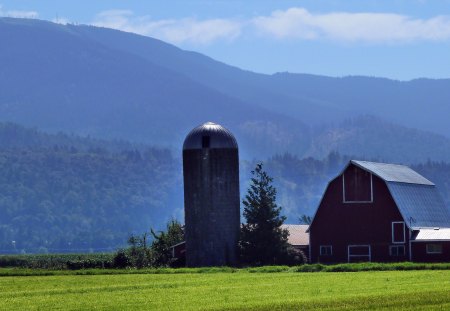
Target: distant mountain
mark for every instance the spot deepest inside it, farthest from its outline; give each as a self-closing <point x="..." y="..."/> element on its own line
<point x="56" y="78"/>
<point x="420" y="103"/>
<point x="111" y="84"/>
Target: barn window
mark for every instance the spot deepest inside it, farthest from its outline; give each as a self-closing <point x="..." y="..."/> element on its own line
<point x="398" y="232"/>
<point x="357" y="185"/>
<point x="434" y="248"/>
<point x="397" y="250"/>
<point x="205" y="141"/>
<point x="359" y="253"/>
<point x="326" y="250"/>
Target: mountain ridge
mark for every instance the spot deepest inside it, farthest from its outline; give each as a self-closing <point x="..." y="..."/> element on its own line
<point x="111" y="84"/>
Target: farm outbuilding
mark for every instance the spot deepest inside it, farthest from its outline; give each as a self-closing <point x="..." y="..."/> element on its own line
<point x="380" y="212"/>
<point x="298" y="237"/>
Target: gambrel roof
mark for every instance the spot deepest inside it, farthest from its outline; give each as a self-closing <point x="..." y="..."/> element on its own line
<point x="393" y="172"/>
<point x="417" y="198"/>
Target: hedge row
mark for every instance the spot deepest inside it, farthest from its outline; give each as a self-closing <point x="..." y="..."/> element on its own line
<point x="102" y="264"/>
<point x="58" y="261"/>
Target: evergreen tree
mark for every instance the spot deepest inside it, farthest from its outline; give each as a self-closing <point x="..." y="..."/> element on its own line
<point x="263" y="241"/>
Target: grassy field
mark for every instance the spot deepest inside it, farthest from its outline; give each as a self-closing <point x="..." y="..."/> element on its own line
<point x="389" y="290"/>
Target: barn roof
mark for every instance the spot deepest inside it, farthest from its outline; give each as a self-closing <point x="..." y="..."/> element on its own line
<point x="420" y="205"/>
<point x="393" y="172"/>
<point x="416" y="197"/>
<point x="297" y="234"/>
<point x="436" y="234"/>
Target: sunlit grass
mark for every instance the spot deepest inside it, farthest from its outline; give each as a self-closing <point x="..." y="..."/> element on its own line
<point x="414" y="290"/>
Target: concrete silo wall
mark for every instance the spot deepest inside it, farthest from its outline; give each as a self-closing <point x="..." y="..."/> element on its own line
<point x="211" y="198"/>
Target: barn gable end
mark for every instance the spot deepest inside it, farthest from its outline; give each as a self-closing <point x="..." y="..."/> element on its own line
<point x="376" y="212"/>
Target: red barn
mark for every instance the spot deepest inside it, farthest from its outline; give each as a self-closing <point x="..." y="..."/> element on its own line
<point x="380" y="212"/>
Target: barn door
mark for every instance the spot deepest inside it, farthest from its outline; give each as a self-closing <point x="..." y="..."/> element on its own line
<point x="359" y="253"/>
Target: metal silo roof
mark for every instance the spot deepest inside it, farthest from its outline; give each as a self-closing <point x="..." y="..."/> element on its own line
<point x="219" y="137"/>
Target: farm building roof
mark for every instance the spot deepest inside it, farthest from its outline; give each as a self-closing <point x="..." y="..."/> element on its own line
<point x="417" y="198"/>
<point x="393" y="172"/>
<point x="421" y="206"/>
<point x="435" y="234"/>
<point x="297" y="234"/>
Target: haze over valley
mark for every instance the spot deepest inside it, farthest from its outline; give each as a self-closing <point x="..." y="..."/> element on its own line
<point x="92" y="122"/>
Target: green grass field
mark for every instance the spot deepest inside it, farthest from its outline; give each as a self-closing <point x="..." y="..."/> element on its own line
<point x="398" y="290"/>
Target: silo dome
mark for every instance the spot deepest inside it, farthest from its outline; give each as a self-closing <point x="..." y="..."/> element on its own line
<point x="210" y="135"/>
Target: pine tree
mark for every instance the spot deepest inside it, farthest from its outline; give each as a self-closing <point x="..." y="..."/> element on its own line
<point x="263" y="241"/>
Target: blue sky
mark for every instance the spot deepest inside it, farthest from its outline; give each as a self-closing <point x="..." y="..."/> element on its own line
<point x="398" y="39"/>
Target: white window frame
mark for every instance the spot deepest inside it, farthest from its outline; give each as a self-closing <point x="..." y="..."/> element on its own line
<point x="343" y="191"/>
<point x="434" y="252"/>
<point x="363" y="245"/>
<point x="326" y="246"/>
<point x="397" y="246"/>
<point x="404" y="232"/>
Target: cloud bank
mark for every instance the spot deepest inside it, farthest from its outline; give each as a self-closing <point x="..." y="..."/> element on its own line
<point x="173" y="30"/>
<point x="18" y="13"/>
<point x="293" y="24"/>
<point x="290" y="24"/>
<point x="298" y="23"/>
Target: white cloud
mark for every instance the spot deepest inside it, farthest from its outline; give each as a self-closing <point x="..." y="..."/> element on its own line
<point x="292" y="24"/>
<point x="173" y="30"/>
<point x="18" y="13"/>
<point x="298" y="23"/>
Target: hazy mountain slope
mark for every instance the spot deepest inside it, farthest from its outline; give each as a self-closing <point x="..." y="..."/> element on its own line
<point x="245" y="85"/>
<point x="374" y="138"/>
<point x="422" y="103"/>
<point x="57" y="79"/>
<point x="107" y="83"/>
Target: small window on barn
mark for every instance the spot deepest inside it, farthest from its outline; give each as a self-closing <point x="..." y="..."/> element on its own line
<point x="397" y="250"/>
<point x="357" y="185"/>
<point x="398" y="232"/>
<point x="326" y="250"/>
<point x="434" y="248"/>
<point x="205" y="141"/>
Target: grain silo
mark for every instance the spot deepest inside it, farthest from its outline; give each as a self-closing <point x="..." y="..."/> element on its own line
<point x="211" y="196"/>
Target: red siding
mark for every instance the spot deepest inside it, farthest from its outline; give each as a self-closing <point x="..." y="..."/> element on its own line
<point x="357" y="185"/>
<point x="419" y="252"/>
<point x="342" y="224"/>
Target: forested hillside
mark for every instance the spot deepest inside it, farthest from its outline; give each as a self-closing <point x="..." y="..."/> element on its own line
<point x="63" y="193"/>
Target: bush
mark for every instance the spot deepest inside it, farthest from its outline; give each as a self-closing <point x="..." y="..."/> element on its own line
<point x="121" y="259"/>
